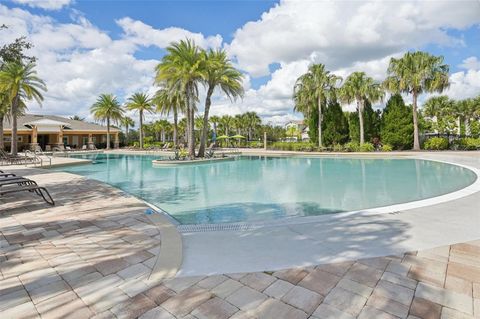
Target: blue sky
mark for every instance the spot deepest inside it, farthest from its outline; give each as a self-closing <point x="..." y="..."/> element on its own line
<point x="98" y="46"/>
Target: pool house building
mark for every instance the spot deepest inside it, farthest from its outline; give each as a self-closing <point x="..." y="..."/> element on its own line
<point x="48" y="131"/>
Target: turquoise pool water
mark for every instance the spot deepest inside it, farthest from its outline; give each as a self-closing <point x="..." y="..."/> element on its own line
<point x="264" y="188"/>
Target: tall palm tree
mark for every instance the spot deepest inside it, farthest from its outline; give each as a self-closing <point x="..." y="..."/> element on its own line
<point x="252" y="121"/>
<point x="20" y="83"/>
<point x="439" y="109"/>
<point x="107" y="109"/>
<point x="127" y="122"/>
<point x="360" y="88"/>
<point x="416" y="73"/>
<point x="161" y="127"/>
<point x="183" y="69"/>
<point x="316" y="87"/>
<point x="141" y="103"/>
<point x="170" y="101"/>
<point x="220" y="73"/>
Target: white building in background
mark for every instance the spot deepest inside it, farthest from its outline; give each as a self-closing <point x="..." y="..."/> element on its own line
<point x="300" y="128"/>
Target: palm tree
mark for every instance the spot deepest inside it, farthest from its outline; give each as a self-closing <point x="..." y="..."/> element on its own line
<point x="316" y="87"/>
<point x="416" y="73"/>
<point x="252" y="122"/>
<point x="107" y="109"/>
<point x="127" y="122"/>
<point x="167" y="102"/>
<point x="360" y="88"/>
<point x="219" y="73"/>
<point x="142" y="103"/>
<point x="160" y="128"/>
<point x="439" y="109"/>
<point x="227" y="122"/>
<point x="77" y="118"/>
<point x="20" y="82"/>
<point x="215" y="120"/>
<point x="183" y="69"/>
<point x="4" y="107"/>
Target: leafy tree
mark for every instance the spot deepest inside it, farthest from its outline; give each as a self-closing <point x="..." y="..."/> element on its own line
<point x="107" y="109"/>
<point x="20" y="82"/>
<point x="359" y="87"/>
<point x="335" y="130"/>
<point x="227" y="123"/>
<point x="141" y="103"/>
<point x="416" y="73"/>
<point x="315" y="88"/>
<point x="397" y="124"/>
<point x="252" y="121"/>
<point x="371" y="122"/>
<point x="182" y="69"/>
<point x="440" y="111"/>
<point x="219" y="73"/>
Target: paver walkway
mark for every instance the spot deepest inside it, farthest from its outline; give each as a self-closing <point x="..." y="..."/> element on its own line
<point x="91" y="255"/>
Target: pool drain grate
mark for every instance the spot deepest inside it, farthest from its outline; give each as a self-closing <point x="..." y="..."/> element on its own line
<point x="215" y="227"/>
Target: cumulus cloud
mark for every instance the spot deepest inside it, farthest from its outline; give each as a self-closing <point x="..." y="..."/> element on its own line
<point x="45" y="4"/>
<point x="78" y="61"/>
<point x="342" y="32"/>
<point x="471" y="63"/>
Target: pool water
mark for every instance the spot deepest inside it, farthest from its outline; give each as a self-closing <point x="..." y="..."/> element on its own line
<point x="253" y="189"/>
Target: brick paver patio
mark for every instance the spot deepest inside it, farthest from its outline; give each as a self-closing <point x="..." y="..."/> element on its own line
<point x="92" y="254"/>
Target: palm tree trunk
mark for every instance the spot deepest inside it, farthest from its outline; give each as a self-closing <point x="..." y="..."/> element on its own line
<point x="2" y="144"/>
<point x="319" y="122"/>
<point x="13" y="145"/>
<point x="175" y="128"/>
<point x="416" y="138"/>
<point x="203" y="138"/>
<point x="108" y="133"/>
<point x="126" y="134"/>
<point x="360" y="120"/>
<point x="191" y="133"/>
<point x="141" y="129"/>
<point x="466" y="123"/>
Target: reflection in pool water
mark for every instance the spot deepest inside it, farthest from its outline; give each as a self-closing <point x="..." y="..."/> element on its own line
<point x="264" y="188"/>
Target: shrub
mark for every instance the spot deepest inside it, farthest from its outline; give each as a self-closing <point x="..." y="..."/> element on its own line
<point x="436" y="143"/>
<point x="338" y="148"/>
<point x="255" y="144"/>
<point x="293" y="146"/>
<point x="367" y="147"/>
<point x="352" y="147"/>
<point x="387" y="148"/>
<point x="466" y="144"/>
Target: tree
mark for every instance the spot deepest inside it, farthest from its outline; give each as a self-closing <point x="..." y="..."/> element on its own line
<point x="183" y="69"/>
<point x="141" y="103"/>
<point x="77" y="118"/>
<point x="397" y="124"/>
<point x="335" y="130"/>
<point x="161" y="127"/>
<point x="167" y="102"/>
<point x="440" y="110"/>
<point x="465" y="111"/>
<point x="107" y="109"/>
<point x="416" y="73"/>
<point x="20" y="82"/>
<point x="219" y="73"/>
<point x="227" y="123"/>
<point x="4" y="107"/>
<point x="215" y="120"/>
<point x="359" y="87"/>
<point x="127" y="122"/>
<point x="252" y="121"/>
<point x="315" y="87"/>
<point x="371" y="121"/>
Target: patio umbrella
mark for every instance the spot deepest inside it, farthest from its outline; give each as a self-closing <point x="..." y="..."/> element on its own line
<point x="238" y="136"/>
<point x="223" y="137"/>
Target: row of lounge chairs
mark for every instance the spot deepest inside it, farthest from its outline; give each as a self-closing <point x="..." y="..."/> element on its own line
<point x="10" y="183"/>
<point x="8" y="159"/>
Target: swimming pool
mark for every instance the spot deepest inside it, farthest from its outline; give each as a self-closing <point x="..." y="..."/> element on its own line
<point x="253" y="188"/>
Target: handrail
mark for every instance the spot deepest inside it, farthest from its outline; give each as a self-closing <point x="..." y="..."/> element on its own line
<point x="43" y="154"/>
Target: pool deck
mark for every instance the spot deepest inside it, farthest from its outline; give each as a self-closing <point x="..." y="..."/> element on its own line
<point x="93" y="254"/>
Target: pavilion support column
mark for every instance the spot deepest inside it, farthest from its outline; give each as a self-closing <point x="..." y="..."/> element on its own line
<point x="90" y="141"/>
<point x="34" y="139"/>
<point x="60" y="137"/>
<point x="116" y="142"/>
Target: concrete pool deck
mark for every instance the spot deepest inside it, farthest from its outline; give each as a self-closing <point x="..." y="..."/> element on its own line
<point x="85" y="258"/>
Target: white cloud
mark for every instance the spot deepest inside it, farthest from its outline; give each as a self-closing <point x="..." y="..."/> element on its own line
<point x="464" y="84"/>
<point x="342" y="32"/>
<point x="471" y="63"/>
<point x="45" y="4"/>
